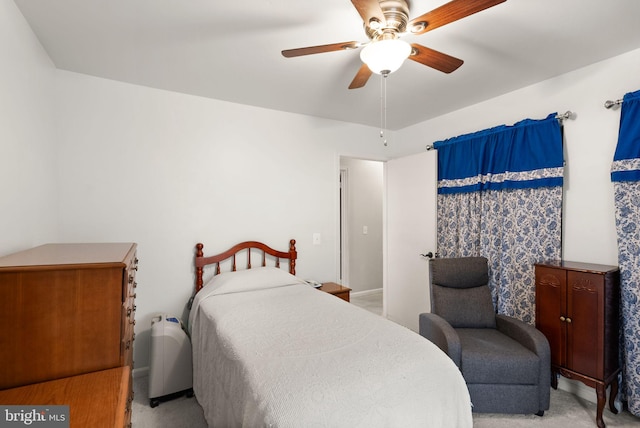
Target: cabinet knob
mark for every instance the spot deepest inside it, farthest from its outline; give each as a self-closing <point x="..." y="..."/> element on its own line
<point x="563" y="319"/>
<point x="569" y="320"/>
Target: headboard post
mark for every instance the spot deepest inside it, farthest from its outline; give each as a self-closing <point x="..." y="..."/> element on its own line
<point x="293" y="255"/>
<point x="199" y="269"/>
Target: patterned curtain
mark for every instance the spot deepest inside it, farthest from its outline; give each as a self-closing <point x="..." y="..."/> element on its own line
<point x="625" y="174"/>
<point x="500" y="196"/>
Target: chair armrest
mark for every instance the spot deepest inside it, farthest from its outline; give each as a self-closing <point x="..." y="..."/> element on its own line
<point x="440" y="332"/>
<point x="527" y="335"/>
<point x="536" y="342"/>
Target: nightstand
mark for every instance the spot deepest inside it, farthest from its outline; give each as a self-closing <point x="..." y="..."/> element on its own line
<point x="336" y="289"/>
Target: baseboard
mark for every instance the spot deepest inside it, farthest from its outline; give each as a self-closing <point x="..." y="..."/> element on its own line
<point x="366" y="292"/>
<point x="140" y="372"/>
<point x="581" y="390"/>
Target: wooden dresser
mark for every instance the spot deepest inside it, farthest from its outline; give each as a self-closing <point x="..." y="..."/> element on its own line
<point x="66" y="309"/>
<point x="577" y="307"/>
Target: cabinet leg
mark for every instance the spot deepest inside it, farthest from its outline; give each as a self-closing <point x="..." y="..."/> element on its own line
<point x="613" y="395"/>
<point x="601" y="392"/>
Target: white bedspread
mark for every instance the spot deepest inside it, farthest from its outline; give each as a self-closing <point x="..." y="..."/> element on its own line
<point x="275" y="352"/>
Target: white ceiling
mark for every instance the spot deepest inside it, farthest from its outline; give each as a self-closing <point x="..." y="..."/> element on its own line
<point x="230" y="50"/>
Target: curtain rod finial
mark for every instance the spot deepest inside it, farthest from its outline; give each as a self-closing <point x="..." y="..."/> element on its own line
<point x="612" y="104"/>
<point x="566" y="115"/>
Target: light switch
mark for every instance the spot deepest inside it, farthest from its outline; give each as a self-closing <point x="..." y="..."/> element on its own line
<point x="365" y="230"/>
<point x="317" y="239"/>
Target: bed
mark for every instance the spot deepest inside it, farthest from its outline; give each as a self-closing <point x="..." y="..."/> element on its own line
<point x="269" y="350"/>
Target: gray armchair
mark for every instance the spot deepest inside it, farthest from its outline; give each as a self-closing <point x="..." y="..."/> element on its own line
<point x="505" y="362"/>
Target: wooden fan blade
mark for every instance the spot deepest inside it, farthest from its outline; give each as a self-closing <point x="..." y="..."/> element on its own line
<point x="290" y="53"/>
<point x="369" y="9"/>
<point x="434" y="59"/>
<point x="361" y="77"/>
<point x="450" y="12"/>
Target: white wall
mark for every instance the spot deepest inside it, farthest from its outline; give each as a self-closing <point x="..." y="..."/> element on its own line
<point x="590" y="140"/>
<point x="27" y="134"/>
<point x="364" y="209"/>
<point x="168" y="170"/>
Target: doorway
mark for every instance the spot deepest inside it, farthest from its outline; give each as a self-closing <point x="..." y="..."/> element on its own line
<point x="361" y="225"/>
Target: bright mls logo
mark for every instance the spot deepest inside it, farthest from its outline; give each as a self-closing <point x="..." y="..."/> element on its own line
<point x="36" y="416"/>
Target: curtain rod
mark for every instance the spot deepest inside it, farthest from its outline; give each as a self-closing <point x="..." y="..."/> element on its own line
<point x="612" y="104"/>
<point x="566" y="115"/>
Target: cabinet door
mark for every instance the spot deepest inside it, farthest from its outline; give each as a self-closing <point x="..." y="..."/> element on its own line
<point x="550" y="308"/>
<point x="584" y="321"/>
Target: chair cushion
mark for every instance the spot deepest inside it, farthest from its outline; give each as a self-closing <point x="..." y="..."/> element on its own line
<point x="491" y="357"/>
<point x="464" y="307"/>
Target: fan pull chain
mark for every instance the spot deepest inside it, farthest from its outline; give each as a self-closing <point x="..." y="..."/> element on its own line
<point x="383" y="107"/>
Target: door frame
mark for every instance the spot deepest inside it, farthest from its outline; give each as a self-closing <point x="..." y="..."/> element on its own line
<point x="343" y="245"/>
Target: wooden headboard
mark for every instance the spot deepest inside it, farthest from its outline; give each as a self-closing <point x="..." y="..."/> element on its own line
<point x="201" y="261"/>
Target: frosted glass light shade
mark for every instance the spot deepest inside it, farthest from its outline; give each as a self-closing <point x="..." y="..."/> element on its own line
<point x="385" y="56"/>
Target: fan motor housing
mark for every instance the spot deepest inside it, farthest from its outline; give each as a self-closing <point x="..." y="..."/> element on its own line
<point x="396" y="14"/>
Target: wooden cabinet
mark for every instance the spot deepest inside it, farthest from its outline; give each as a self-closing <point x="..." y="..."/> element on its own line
<point x="577" y="307"/>
<point x="98" y="399"/>
<point x="66" y="309"/>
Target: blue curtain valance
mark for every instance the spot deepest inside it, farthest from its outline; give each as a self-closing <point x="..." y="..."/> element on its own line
<point x="626" y="161"/>
<point x="527" y="154"/>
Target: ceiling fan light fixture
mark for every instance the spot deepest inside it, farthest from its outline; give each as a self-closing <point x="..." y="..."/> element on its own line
<point x="385" y="56"/>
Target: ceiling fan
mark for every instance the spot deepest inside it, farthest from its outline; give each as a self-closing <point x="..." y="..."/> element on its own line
<point x="385" y="22"/>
